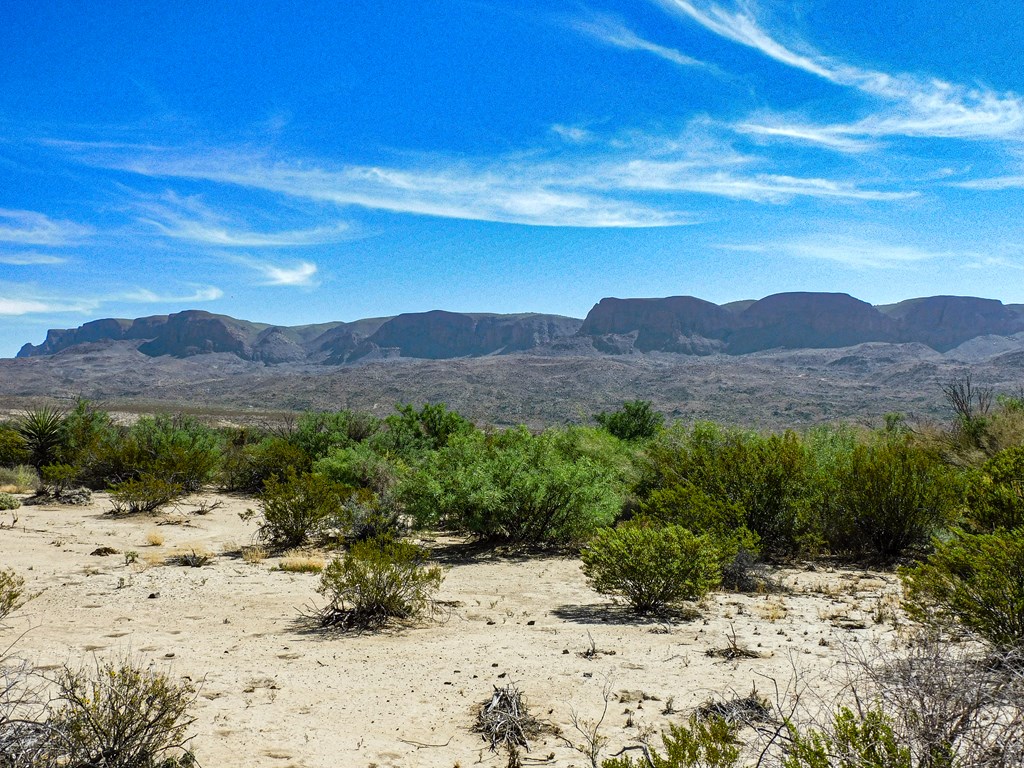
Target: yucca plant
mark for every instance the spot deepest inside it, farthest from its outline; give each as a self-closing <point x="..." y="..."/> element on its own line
<point x="42" y="430"/>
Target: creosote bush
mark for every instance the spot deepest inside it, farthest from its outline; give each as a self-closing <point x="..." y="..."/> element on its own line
<point x="995" y="500"/>
<point x="296" y="507"/>
<point x="868" y="740"/>
<point x="653" y="568"/>
<point x="975" y="581"/>
<point x="12" y="592"/>
<point x="376" y="581"/>
<point x="121" y="715"/>
<point x="144" y="495"/>
<point x="703" y="743"/>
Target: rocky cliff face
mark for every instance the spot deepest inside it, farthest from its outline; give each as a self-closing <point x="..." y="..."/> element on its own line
<point x="679" y="324"/>
<point x="440" y="335"/>
<point x="944" y="322"/>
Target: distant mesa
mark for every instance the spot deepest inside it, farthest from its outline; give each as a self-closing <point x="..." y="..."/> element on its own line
<point x="677" y="324"/>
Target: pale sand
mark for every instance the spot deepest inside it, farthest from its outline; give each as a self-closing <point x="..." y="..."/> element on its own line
<point x="275" y="693"/>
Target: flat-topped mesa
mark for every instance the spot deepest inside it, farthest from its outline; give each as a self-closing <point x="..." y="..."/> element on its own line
<point x="682" y="324"/>
<point x="945" y="322"/>
<point x="809" y="321"/>
<point x="440" y="335"/>
<point x="106" y="329"/>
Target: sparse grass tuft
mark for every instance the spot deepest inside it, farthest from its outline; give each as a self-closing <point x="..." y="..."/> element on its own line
<point x="296" y="561"/>
<point x="155" y="539"/>
<point x="254" y="554"/>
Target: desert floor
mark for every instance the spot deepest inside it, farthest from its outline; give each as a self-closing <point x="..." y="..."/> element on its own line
<point x="276" y="692"/>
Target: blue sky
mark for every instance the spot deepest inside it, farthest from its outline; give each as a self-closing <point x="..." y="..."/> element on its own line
<point x="303" y="162"/>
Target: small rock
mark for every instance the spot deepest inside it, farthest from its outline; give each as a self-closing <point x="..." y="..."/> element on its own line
<point x="153" y="595"/>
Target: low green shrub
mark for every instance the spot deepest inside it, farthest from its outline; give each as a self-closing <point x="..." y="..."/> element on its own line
<point x="12" y="592"/>
<point x="296" y="508"/>
<point x="409" y="434"/>
<point x="12" y="447"/>
<point x="144" y="495"/>
<point x="636" y="420"/>
<point x="121" y="715"/>
<point x="7" y="501"/>
<point x="703" y="743"/>
<point x="653" y="568"/>
<point x="376" y="581"/>
<point x="867" y="740"/>
<point x="58" y="478"/>
<point x="246" y="467"/>
<point x="995" y="500"/>
<point x="359" y="466"/>
<point x="319" y="433"/>
<point x="511" y="487"/>
<point x="887" y="498"/>
<point x="975" y="581"/>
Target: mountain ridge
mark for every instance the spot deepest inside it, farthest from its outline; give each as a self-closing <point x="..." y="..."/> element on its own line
<point x="684" y="325"/>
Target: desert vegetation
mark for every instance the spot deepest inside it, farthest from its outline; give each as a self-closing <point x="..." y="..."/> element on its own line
<point x="657" y="517"/>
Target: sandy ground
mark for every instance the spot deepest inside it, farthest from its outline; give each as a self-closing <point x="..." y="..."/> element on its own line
<point x="273" y="692"/>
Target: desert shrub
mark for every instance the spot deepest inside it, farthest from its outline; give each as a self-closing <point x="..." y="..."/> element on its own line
<point x="121" y="715"/>
<point x="42" y="431"/>
<point x="296" y="507"/>
<point x="888" y="497"/>
<point x="12" y="447"/>
<point x="703" y="743"/>
<point x="866" y="740"/>
<point x="246" y="467"/>
<point x="7" y="501"/>
<point x="765" y="476"/>
<point x="85" y="428"/>
<point x="975" y="581"/>
<point x="512" y="487"/>
<point x="653" y="568"/>
<point x="359" y="466"/>
<point x="317" y="434"/>
<point x="376" y="581"/>
<point x="143" y="495"/>
<point x="21" y="478"/>
<point x="995" y="499"/>
<point x="636" y="420"/>
<point x="410" y="433"/>
<point x="365" y="516"/>
<point x="12" y="592"/>
<point x="58" y="478"/>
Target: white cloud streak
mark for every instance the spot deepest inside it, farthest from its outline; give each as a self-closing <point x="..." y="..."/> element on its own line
<point x="850" y="252"/>
<point x="917" y="107"/>
<point x="299" y="274"/>
<point x="146" y="296"/>
<point x="31" y="259"/>
<point x="33" y="228"/>
<point x="614" y="33"/>
<point x="186" y="218"/>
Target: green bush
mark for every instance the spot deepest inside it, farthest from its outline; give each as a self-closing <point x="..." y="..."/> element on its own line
<point x="995" y="500"/>
<point x="12" y="447"/>
<point x="705" y="743"/>
<point x="888" y="497"/>
<point x="246" y="467"/>
<point x="376" y="581"/>
<point x="317" y="434"/>
<point x="653" y="568"/>
<point x="765" y="476"/>
<point x="511" y="487"/>
<point x="121" y="715"/>
<point x="58" y="478"/>
<point x="636" y="420"/>
<point x="359" y="466"/>
<point x="975" y="581"/>
<point x="7" y="501"/>
<point x="868" y="740"/>
<point x="12" y="592"/>
<point x="143" y="495"/>
<point x="296" y="508"/>
<point x="409" y="433"/>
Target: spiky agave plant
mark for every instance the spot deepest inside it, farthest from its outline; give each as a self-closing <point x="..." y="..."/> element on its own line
<point x="43" y="432"/>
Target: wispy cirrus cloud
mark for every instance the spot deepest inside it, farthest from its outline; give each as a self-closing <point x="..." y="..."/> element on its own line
<point x="146" y="296"/>
<point x="34" y="228"/>
<point x="30" y="259"/>
<point x="23" y="300"/>
<point x="189" y="219"/>
<point x="914" y="106"/>
<point x="604" y="187"/>
<point x="849" y="251"/>
<point x="299" y="274"/>
<point x="613" y="32"/>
